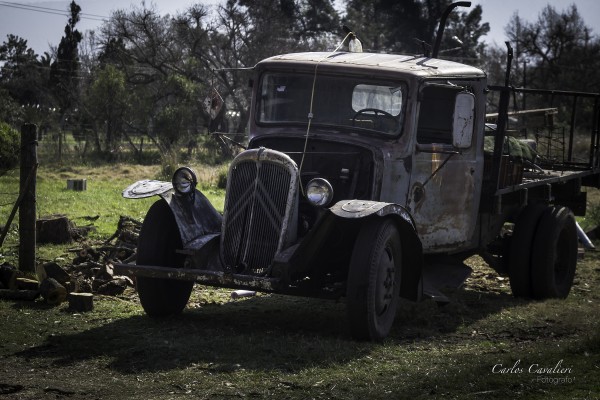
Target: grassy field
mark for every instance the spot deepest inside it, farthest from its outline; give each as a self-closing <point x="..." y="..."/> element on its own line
<point x="102" y="199"/>
<point x="485" y="344"/>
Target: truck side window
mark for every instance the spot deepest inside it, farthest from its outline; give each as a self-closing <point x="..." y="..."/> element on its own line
<point x="435" y="115"/>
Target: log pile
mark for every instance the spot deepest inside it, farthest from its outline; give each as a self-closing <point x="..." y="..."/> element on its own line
<point x="89" y="273"/>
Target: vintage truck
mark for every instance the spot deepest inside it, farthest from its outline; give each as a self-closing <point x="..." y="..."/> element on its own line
<point x="366" y="177"/>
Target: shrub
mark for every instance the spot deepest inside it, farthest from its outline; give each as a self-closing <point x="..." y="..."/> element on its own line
<point x="222" y="177"/>
<point x="593" y="215"/>
<point x="9" y="147"/>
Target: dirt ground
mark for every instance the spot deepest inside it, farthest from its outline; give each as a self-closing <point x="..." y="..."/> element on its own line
<point x="481" y="345"/>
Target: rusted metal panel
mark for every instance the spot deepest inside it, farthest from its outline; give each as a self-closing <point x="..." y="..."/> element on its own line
<point x="443" y="201"/>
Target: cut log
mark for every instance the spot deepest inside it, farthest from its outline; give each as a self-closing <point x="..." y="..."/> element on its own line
<point x="53" y="292"/>
<point x="115" y="287"/>
<point x="54" y="229"/>
<point x="27" y="284"/>
<point x="8" y="276"/>
<point x="81" y="302"/>
<point x="40" y="272"/>
<point x="53" y="270"/>
<point x="8" y="294"/>
<point x="105" y="273"/>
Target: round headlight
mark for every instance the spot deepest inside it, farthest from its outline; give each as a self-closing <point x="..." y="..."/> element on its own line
<point x="319" y="192"/>
<point x="184" y="180"/>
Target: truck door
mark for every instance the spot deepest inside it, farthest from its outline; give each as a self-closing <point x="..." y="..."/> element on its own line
<point x="445" y="183"/>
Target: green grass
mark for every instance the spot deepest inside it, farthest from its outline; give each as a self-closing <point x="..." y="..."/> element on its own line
<point x="280" y="347"/>
<point x="283" y="347"/>
<point x="102" y="199"/>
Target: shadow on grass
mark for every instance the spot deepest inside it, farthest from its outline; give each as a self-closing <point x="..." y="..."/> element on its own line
<point x="267" y="333"/>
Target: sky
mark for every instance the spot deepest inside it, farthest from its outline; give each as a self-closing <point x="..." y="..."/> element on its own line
<point x="44" y="28"/>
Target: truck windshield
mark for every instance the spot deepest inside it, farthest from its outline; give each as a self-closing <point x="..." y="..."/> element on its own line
<point x="350" y="102"/>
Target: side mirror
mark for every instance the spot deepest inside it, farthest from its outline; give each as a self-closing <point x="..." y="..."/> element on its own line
<point x="464" y="120"/>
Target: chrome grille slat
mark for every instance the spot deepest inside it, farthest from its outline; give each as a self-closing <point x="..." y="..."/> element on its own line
<point x="260" y="210"/>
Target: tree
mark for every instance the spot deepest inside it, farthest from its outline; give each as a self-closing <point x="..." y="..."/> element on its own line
<point x="10" y="111"/>
<point x="463" y="36"/>
<point x="558" y="47"/>
<point x="246" y="32"/>
<point x="155" y="64"/>
<point x="172" y="63"/>
<point x="18" y="73"/>
<point x="393" y="25"/>
<point x="64" y="70"/>
<point x="108" y="104"/>
<point x="23" y="79"/>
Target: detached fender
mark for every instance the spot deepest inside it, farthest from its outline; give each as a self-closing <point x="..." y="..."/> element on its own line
<point x="412" y="255"/>
<point x="196" y="218"/>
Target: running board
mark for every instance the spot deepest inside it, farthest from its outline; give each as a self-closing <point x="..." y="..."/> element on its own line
<point x="216" y="278"/>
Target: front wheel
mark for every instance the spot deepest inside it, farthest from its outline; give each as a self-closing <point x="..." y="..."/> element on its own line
<point x="159" y="239"/>
<point x="373" y="284"/>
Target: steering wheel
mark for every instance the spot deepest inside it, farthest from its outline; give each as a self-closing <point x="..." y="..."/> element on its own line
<point x="376" y="113"/>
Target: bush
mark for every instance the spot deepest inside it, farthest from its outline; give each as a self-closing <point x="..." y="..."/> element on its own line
<point x="9" y="147"/>
<point x="593" y="215"/>
<point x="222" y="177"/>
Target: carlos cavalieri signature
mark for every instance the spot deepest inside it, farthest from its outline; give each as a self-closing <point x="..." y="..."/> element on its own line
<point x="542" y="372"/>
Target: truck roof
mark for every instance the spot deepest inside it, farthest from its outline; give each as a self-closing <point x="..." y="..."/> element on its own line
<point x="412" y="65"/>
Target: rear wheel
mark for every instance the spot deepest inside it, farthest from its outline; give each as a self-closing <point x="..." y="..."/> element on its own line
<point x="374" y="280"/>
<point x="554" y="257"/>
<point x="519" y="254"/>
<point x="159" y="238"/>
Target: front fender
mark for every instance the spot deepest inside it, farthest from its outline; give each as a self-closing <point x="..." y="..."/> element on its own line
<point x="196" y="218"/>
<point x="364" y="208"/>
<point x="412" y="256"/>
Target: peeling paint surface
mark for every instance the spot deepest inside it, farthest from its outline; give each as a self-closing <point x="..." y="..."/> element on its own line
<point x="443" y="200"/>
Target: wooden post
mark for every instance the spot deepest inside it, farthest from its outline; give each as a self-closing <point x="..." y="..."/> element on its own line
<point x="28" y="191"/>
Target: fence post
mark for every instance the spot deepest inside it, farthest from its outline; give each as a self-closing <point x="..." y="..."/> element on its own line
<point x="27" y="208"/>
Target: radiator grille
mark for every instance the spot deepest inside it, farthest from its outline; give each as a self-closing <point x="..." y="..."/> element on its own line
<point x="259" y="210"/>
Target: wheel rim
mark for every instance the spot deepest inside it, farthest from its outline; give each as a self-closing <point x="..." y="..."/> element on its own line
<point x="385" y="281"/>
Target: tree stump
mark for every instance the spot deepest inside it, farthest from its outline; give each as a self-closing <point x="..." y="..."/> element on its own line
<point x="81" y="302"/>
<point x="54" y="229"/>
<point x="53" y="292"/>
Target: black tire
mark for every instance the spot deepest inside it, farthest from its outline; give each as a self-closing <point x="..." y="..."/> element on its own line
<point x="374" y="279"/>
<point x="554" y="258"/>
<point x="519" y="254"/>
<point x="159" y="238"/>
